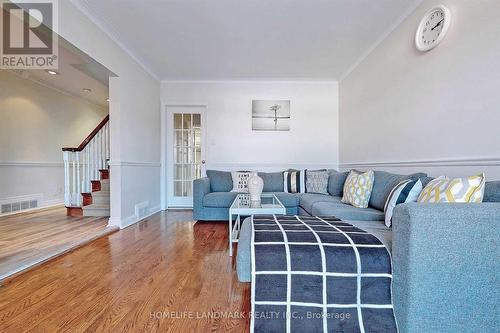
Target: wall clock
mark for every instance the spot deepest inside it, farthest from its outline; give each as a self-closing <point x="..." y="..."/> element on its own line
<point x="432" y="28"/>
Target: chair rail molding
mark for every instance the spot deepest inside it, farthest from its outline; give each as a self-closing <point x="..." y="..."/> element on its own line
<point x="476" y="161"/>
<point x="269" y="166"/>
<point x="31" y="164"/>
<point x="138" y="164"/>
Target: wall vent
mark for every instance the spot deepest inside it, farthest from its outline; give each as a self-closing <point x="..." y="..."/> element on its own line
<point x="141" y="210"/>
<point x="19" y="204"/>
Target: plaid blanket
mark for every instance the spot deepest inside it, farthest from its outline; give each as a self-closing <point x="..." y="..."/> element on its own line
<point x="312" y="274"/>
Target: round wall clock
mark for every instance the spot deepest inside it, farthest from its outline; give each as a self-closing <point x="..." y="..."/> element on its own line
<point x="432" y="28"/>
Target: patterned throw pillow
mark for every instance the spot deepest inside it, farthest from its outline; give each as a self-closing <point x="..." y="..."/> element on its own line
<point x="317" y="181"/>
<point x="358" y="188"/>
<point x="294" y="181"/>
<point x="405" y="191"/>
<point x="240" y="181"/>
<point x="443" y="189"/>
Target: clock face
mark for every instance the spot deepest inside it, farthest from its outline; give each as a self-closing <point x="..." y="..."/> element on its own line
<point x="432" y="28"/>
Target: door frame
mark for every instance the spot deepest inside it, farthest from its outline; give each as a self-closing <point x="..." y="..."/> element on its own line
<point x="167" y="150"/>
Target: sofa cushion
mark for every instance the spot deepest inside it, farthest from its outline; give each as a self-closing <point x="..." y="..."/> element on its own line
<point x="307" y="200"/>
<point x="240" y="180"/>
<point x="426" y="180"/>
<point x="346" y="212"/>
<point x="219" y="199"/>
<point x="288" y="199"/>
<point x="317" y="181"/>
<point x="336" y="182"/>
<point x="273" y="181"/>
<point x="294" y="181"/>
<point x="358" y="188"/>
<point x="383" y="184"/>
<point x="492" y="192"/>
<point x="220" y="181"/>
<point x="454" y="190"/>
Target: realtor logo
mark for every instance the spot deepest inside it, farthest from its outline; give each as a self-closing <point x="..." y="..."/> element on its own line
<point x="29" y="34"/>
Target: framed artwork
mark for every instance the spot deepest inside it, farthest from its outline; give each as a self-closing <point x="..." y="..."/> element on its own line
<point x="271" y="115"/>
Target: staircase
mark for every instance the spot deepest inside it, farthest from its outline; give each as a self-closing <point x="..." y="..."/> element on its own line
<point x="86" y="174"/>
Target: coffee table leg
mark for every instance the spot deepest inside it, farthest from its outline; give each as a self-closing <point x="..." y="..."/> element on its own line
<point x="230" y="234"/>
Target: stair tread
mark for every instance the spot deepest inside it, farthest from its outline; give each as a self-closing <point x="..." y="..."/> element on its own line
<point x="101" y="193"/>
<point x="96" y="206"/>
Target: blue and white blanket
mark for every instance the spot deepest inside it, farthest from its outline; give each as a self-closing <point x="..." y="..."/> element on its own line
<point x="312" y="274"/>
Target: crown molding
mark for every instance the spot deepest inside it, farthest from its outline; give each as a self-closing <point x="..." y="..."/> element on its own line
<point x="383" y="37"/>
<point x="83" y="7"/>
<point x="252" y="81"/>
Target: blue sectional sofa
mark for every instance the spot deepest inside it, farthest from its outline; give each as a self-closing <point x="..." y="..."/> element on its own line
<point x="444" y="256"/>
<point x="212" y="197"/>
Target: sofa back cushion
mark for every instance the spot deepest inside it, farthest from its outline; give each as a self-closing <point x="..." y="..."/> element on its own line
<point x="220" y="181"/>
<point x="336" y="182"/>
<point x="273" y="181"/>
<point x="383" y="184"/>
<point x="426" y="180"/>
<point x="492" y="192"/>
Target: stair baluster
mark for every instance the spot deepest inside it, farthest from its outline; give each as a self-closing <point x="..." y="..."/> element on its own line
<point x="82" y="165"/>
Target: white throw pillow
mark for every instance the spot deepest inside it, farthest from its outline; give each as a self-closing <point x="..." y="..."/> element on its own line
<point x="444" y="189"/>
<point x="240" y="181"/>
<point x="405" y="191"/>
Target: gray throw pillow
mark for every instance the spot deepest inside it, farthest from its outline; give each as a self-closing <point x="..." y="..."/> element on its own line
<point x="336" y="182"/>
<point x="220" y="181"/>
<point x="317" y="181"/>
<point x="492" y="192"/>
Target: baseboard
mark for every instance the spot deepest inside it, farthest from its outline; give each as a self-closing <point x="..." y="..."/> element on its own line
<point x="131" y="220"/>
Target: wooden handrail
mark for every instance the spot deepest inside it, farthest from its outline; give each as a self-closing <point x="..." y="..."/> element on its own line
<point x="90" y="137"/>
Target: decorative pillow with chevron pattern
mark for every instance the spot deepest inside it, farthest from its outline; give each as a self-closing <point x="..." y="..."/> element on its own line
<point x="443" y="189"/>
<point x="358" y="188"/>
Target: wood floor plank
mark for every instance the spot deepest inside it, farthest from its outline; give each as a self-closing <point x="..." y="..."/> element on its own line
<point x="164" y="274"/>
<point x="32" y="238"/>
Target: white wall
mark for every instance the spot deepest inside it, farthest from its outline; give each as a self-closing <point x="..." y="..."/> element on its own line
<point x="134" y="117"/>
<point x="35" y="123"/>
<point x="439" y="111"/>
<point x="312" y="141"/>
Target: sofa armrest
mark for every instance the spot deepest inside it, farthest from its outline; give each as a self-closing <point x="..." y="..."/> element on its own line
<point x="201" y="187"/>
<point x="445" y="265"/>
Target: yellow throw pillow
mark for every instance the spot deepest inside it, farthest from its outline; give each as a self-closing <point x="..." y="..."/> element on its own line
<point x="443" y="189"/>
<point x="358" y="188"/>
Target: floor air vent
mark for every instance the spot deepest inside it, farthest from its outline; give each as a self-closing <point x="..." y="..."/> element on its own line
<point x="18" y="205"/>
<point x="141" y="210"/>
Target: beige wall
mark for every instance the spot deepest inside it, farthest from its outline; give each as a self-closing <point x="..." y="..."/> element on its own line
<point x="439" y="111"/>
<point x="35" y="123"/>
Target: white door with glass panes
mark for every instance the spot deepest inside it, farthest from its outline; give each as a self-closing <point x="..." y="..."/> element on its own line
<point x="185" y="152"/>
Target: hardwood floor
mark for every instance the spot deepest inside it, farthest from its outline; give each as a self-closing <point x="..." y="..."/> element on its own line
<point x="28" y="239"/>
<point x="165" y="274"/>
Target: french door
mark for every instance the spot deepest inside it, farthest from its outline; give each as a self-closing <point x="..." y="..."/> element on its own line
<point x="185" y="152"/>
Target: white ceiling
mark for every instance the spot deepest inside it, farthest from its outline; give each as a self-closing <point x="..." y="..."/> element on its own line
<point x="248" y="39"/>
<point x="77" y="71"/>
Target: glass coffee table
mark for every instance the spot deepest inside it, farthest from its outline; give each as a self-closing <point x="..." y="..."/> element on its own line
<point x="243" y="206"/>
